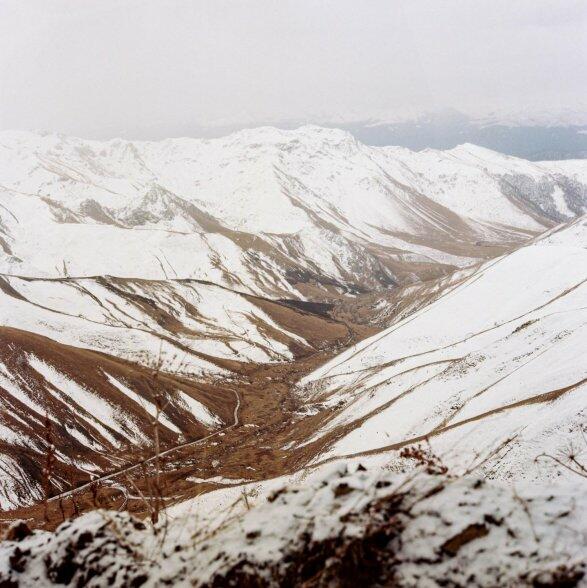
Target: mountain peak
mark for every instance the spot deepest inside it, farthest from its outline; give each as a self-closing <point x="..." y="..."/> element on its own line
<point x="304" y="134"/>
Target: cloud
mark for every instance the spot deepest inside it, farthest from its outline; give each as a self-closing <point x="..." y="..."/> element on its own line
<point x="154" y="68"/>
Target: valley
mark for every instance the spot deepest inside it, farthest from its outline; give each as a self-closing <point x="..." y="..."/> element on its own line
<point x="293" y="294"/>
<point x="188" y="316"/>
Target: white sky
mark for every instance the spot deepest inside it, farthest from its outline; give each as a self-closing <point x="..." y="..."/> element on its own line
<point x="156" y="68"/>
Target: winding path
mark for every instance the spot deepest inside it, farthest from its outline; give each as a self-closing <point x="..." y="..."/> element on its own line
<point x="128" y="469"/>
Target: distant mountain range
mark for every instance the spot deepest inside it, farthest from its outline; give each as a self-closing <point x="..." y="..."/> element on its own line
<point x="536" y="139"/>
<point x="537" y="136"/>
<point x="306" y="213"/>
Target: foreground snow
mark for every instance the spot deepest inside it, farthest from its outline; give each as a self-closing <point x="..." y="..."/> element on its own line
<point x="349" y="526"/>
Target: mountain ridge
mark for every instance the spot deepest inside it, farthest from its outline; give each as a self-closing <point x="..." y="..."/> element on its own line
<point x="273" y="212"/>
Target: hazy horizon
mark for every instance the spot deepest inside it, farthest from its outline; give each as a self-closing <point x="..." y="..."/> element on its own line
<point x="149" y="70"/>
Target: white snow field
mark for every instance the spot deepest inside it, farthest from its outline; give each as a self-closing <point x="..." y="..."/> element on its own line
<point x="496" y="363"/>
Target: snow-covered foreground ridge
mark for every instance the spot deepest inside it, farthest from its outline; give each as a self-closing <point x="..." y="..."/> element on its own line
<point x="351" y="526"/>
<point x="306" y="212"/>
<point x="495" y="362"/>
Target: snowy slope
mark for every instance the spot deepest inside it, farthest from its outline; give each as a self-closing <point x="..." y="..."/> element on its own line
<point x="294" y="213"/>
<point x="345" y="527"/>
<point x="85" y="361"/>
<point x="496" y="362"/>
<point x="119" y="256"/>
<point x="188" y="324"/>
<point x="97" y="413"/>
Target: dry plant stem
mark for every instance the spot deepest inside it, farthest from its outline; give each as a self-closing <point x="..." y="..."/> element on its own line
<point x="579" y="465"/>
<point x="49" y="464"/>
<point x="246" y="499"/>
<point x="149" y="490"/>
<point x="526" y="510"/>
<point x="475" y="465"/>
<point x="155" y="490"/>
<point x="75" y="507"/>
<point x="62" y="509"/>
<point x="571" y="456"/>
<point x="583" y="474"/>
<point x="94" y="491"/>
<point x="144" y="499"/>
<point x="157" y="483"/>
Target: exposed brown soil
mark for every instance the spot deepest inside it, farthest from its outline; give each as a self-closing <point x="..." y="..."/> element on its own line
<point x="90" y="368"/>
<point x="249" y="448"/>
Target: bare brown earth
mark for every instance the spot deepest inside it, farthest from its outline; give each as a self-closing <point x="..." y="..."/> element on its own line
<point x="89" y="367"/>
<point x="260" y="416"/>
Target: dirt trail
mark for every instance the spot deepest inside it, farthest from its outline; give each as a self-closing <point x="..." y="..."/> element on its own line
<point x="544" y="397"/>
<point x="265" y="418"/>
<point x="149" y="460"/>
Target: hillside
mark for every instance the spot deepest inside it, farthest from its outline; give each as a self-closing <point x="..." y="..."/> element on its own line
<point x="494" y="362"/>
<point x="269" y="212"/>
<point x="90" y="361"/>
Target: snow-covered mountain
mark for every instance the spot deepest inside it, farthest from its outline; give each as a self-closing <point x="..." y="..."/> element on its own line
<point x="209" y="287"/>
<point x="196" y="328"/>
<point x="305" y="213"/>
<point x="530" y="134"/>
<point x="87" y="360"/>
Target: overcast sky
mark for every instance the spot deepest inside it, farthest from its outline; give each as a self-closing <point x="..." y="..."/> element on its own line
<point x="156" y="68"/>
